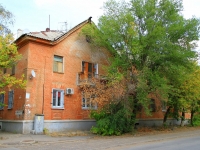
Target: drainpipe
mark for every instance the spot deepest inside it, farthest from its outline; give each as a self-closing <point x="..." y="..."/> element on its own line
<point x="43" y="86"/>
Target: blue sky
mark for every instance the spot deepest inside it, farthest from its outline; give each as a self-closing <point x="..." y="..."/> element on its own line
<point x="33" y="15"/>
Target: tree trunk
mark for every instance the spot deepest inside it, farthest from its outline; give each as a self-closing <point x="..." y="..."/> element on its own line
<point x="183" y="117"/>
<point x="192" y="115"/>
<point x="166" y="115"/>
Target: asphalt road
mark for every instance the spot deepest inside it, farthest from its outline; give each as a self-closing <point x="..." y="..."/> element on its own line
<point x="182" y="143"/>
<point x="186" y="140"/>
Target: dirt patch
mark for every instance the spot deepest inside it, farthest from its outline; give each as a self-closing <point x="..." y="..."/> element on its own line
<point x="70" y="133"/>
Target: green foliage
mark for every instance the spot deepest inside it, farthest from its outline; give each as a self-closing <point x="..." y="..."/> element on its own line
<point x="9" y="55"/>
<point x="153" y="37"/>
<point x="196" y="119"/>
<point x="113" y="119"/>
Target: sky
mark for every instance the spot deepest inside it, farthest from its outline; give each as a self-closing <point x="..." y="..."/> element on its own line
<point x="33" y="15"/>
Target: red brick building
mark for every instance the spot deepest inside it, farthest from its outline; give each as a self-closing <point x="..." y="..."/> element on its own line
<point x="54" y="64"/>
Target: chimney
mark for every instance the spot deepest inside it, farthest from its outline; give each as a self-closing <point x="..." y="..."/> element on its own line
<point x="90" y="19"/>
<point x="47" y="29"/>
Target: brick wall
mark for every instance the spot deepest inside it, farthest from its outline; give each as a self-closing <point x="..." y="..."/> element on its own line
<point x="39" y="57"/>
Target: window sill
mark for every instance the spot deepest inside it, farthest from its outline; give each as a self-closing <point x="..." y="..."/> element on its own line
<point x="58" y="72"/>
<point x="89" y="108"/>
<point x="57" y="108"/>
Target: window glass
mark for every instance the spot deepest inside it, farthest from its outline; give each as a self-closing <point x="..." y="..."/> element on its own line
<point x="58" y="64"/>
<point x="58" y="58"/>
<point x="10" y="99"/>
<point x="88" y="101"/>
<point x="58" y="98"/>
<point x="89" y="67"/>
<point x="164" y="106"/>
<point x="153" y="105"/>
<point x="1" y="101"/>
<point x="4" y="70"/>
<point x="13" y="70"/>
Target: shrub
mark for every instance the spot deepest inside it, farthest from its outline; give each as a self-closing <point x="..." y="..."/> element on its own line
<point x="196" y="120"/>
<point x="114" y="119"/>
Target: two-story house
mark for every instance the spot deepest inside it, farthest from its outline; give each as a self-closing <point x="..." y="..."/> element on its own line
<point x="54" y="64"/>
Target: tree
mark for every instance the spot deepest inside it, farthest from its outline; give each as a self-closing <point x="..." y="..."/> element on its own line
<point x="152" y="37"/>
<point x="190" y="93"/>
<point x="113" y="115"/>
<point x="6" y="18"/>
<point x="8" y="53"/>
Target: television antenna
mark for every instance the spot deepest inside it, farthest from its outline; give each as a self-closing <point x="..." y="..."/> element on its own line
<point x="64" y="26"/>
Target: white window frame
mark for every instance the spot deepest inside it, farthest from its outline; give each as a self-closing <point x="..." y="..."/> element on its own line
<point x="55" y="104"/>
<point x="86" y="104"/>
<point x="96" y="70"/>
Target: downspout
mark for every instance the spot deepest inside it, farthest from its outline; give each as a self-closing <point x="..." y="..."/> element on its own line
<point x="43" y="86"/>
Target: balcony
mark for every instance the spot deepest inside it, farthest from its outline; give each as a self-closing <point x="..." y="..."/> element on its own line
<point x="88" y="79"/>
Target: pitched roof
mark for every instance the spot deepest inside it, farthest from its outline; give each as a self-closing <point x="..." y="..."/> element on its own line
<point x="53" y="35"/>
<point x="46" y="35"/>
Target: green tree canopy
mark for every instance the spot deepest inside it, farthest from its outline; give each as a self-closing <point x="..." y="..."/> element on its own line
<point x="9" y="55"/>
<point x="154" y="37"/>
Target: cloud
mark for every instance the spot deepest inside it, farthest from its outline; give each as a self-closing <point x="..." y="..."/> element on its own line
<point x="191" y="8"/>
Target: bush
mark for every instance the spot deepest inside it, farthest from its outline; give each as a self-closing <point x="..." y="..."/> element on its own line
<point x="113" y="120"/>
<point x="196" y="120"/>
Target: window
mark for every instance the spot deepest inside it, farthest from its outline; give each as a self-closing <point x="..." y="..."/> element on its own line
<point x="90" y="69"/>
<point x="1" y="101"/>
<point x="10" y="99"/>
<point x="13" y="70"/>
<point x="153" y="105"/>
<point x="88" y="101"/>
<point x="164" y="106"/>
<point x="58" y="98"/>
<point x="4" y="70"/>
<point x="58" y="64"/>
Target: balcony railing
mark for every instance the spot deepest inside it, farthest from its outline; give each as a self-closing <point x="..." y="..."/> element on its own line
<point x="88" y="79"/>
